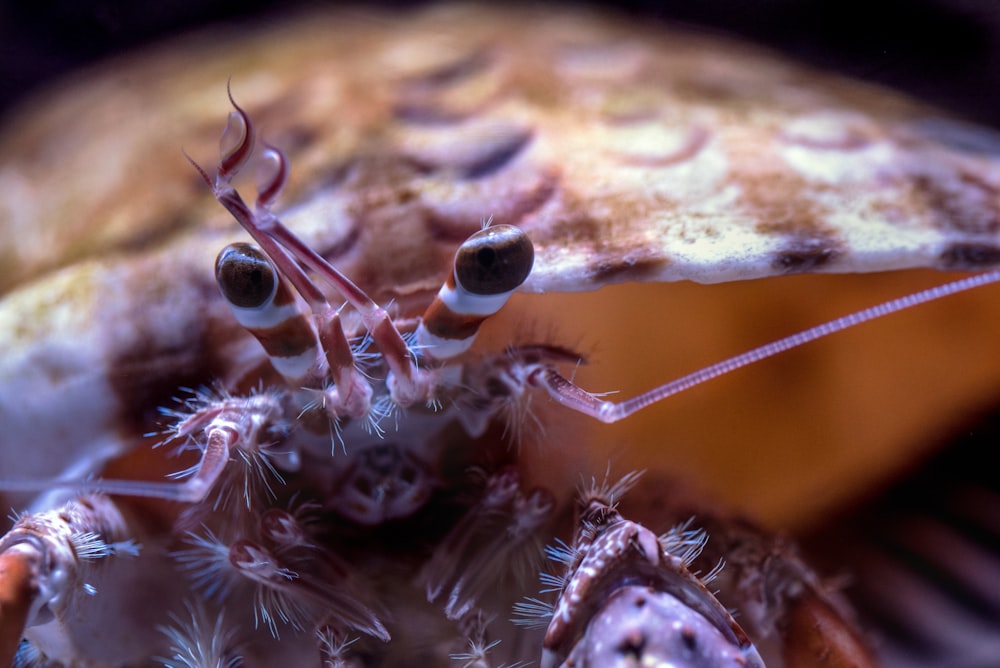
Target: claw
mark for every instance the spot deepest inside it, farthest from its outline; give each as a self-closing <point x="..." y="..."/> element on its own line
<point x="17" y="593"/>
<point x="50" y="563"/>
<point x="816" y="635"/>
<point x="625" y="598"/>
<point x="783" y="598"/>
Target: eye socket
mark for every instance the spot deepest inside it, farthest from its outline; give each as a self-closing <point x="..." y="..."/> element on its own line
<point x="245" y="276"/>
<point x="494" y="260"/>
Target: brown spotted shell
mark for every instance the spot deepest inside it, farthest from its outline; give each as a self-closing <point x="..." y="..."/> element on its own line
<point x="620" y="149"/>
<point x="627" y="154"/>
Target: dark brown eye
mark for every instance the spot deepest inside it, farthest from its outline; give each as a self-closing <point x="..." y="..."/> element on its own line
<point x="494" y="260"/>
<point x="245" y="275"/>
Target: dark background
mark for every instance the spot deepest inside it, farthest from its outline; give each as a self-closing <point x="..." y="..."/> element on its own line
<point x="944" y="51"/>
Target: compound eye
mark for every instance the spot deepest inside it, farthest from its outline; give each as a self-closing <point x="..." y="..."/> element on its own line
<point x="494" y="260"/>
<point x="246" y="277"/>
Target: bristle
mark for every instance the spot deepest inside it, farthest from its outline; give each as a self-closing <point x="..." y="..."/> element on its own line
<point x="384" y="409"/>
<point x="29" y="656"/>
<point x="607" y="492"/>
<point x="365" y="356"/>
<point x="476" y="656"/>
<point x="532" y="613"/>
<point x="89" y="546"/>
<point x="274" y="605"/>
<point x="551" y="582"/>
<point x="334" y="647"/>
<point x="713" y="574"/>
<point x="520" y="422"/>
<point x="188" y="416"/>
<point x="274" y="599"/>
<point x="195" y="642"/>
<point x="258" y="474"/>
<point x="206" y="563"/>
<point x="684" y="542"/>
<point x="319" y="403"/>
<point x="561" y="553"/>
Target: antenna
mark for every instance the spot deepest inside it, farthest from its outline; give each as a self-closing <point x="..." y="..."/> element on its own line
<point x="572" y="396"/>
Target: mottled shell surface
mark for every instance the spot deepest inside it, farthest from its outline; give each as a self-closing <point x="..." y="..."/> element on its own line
<point x="627" y="153"/>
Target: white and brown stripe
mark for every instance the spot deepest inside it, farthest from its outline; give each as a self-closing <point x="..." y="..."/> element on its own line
<point x="264" y="305"/>
<point x="488" y="267"/>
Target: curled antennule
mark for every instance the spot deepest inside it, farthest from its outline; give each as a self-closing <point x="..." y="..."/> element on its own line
<point x="236" y="144"/>
<point x="408" y="384"/>
<point x="272" y="174"/>
<point x="489" y="266"/>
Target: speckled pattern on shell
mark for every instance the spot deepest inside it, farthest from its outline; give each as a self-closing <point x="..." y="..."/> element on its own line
<point x="626" y="153"/>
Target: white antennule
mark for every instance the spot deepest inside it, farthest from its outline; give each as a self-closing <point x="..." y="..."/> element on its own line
<point x="572" y="396"/>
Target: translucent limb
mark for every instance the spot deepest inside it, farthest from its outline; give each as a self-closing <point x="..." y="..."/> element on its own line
<point x="574" y="397"/>
<point x="226" y="424"/>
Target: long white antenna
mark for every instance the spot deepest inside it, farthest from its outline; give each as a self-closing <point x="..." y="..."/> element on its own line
<point x="572" y="396"/>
